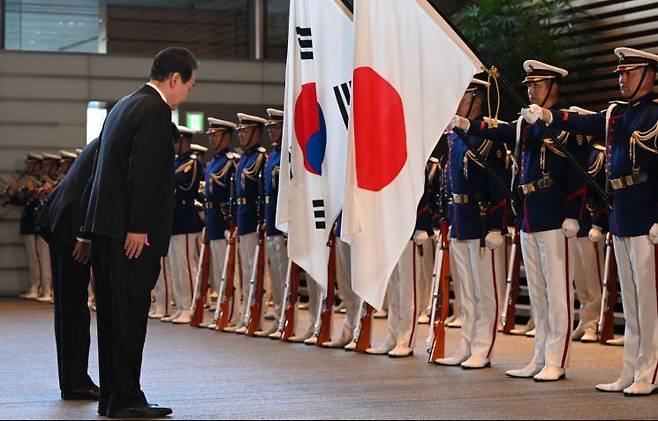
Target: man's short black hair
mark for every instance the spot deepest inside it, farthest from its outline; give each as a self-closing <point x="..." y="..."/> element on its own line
<point x="173" y="60"/>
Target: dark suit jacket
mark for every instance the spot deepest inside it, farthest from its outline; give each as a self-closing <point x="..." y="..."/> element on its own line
<point x="63" y="213"/>
<point x="133" y="186"/>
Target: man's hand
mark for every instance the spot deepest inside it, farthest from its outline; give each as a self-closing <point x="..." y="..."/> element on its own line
<point x="135" y="243"/>
<point x="81" y="252"/>
<point x="595" y="234"/>
<point x="419" y="237"/>
<point x="494" y="239"/>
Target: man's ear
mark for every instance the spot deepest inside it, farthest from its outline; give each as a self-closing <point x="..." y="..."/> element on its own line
<point x="174" y="79"/>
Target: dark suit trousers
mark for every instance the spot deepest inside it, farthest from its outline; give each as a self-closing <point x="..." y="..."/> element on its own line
<point x="70" y="281"/>
<point x="123" y="297"/>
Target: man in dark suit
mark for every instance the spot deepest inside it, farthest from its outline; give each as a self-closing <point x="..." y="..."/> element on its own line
<point x="60" y="220"/>
<point x="130" y="219"/>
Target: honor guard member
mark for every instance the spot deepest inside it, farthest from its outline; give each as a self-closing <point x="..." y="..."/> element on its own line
<point x="589" y="250"/>
<point x="49" y="168"/>
<point x="402" y="290"/>
<point x="477" y="220"/>
<point x="183" y="248"/>
<point x="275" y="242"/>
<point x="65" y="162"/>
<point x="247" y="178"/>
<point x="630" y="130"/>
<point x="553" y="201"/>
<point x="219" y="174"/>
<point x="21" y="194"/>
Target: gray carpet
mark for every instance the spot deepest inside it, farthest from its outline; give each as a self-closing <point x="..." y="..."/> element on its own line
<point x="203" y="374"/>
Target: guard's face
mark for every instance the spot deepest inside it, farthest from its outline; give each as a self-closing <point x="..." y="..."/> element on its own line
<point x="179" y="90"/>
<point x="538" y="91"/>
<point x="249" y="136"/>
<point x="219" y="140"/>
<point x="274" y="131"/>
<point x="629" y="80"/>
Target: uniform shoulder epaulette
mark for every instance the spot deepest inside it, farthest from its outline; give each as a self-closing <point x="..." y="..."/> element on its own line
<point x="262" y="149"/>
<point x="618" y="102"/>
<point x="599" y="147"/>
<point x="232" y="155"/>
<point x="193" y="156"/>
<point x="434" y="159"/>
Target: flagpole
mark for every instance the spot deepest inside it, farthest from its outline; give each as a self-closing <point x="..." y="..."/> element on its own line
<point x="495" y="72"/>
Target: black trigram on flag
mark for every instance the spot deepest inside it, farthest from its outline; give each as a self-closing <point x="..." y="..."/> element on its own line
<point x="318" y="214"/>
<point x="305" y="43"/>
<point x="343" y="93"/>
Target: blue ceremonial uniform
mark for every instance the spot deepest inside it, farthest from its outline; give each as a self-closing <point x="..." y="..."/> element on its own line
<point x="188" y="175"/>
<point x="246" y="188"/>
<point x="630" y="128"/>
<point x="217" y="193"/>
<point x="559" y="188"/>
<point x="469" y="186"/>
<point x="271" y="176"/>
<point x="596" y="209"/>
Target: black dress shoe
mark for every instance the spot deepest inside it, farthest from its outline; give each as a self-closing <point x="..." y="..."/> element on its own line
<point x="102" y="407"/>
<point x="146" y="410"/>
<point x="90" y="393"/>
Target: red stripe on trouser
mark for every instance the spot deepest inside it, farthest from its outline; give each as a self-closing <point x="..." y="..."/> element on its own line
<point x="568" y="338"/>
<point x="189" y="267"/>
<point x="495" y="324"/>
<point x="413" y="265"/>
<point x="655" y="276"/>
<point x="164" y="273"/>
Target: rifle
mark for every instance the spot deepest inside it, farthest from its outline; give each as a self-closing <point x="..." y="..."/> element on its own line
<point x="606" y="325"/>
<point x="201" y="284"/>
<point x="440" y="296"/>
<point x="508" y="318"/>
<point x="327" y="309"/>
<point x="256" y="284"/>
<point x="287" y="321"/>
<point x="364" y="330"/>
<point x="226" y="298"/>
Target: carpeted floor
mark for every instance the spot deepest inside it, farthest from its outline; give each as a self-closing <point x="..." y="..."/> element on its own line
<point x="203" y="374"/>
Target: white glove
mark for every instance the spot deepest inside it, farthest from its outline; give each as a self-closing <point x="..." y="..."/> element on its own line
<point x="459" y="122"/>
<point x="595" y="234"/>
<point x="511" y="231"/>
<point x="227" y="234"/>
<point x="420" y="236"/>
<point x="532" y="113"/>
<point x="570" y="227"/>
<point x="653" y="234"/>
<point x="493" y="240"/>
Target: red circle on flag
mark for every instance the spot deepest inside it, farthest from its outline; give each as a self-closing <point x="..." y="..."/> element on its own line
<point x="380" y="140"/>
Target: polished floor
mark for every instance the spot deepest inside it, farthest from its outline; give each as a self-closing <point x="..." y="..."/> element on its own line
<point x="203" y="374"/>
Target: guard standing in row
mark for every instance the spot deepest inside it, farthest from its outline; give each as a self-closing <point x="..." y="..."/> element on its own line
<point x="219" y="175"/>
<point x="183" y="253"/>
<point x="247" y="178"/>
<point x="477" y="220"/>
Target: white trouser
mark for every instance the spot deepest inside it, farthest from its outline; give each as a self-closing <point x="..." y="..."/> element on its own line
<point x="588" y="278"/>
<point x="162" y="289"/>
<point x="183" y="261"/>
<point x="33" y="265"/>
<point x="277" y="257"/>
<point x="548" y="258"/>
<point x="314" y="303"/>
<point x="217" y="256"/>
<point x="636" y="261"/>
<point x="402" y="293"/>
<point x="247" y="249"/>
<point x="456" y="289"/>
<point x="479" y="271"/>
<point x="351" y="302"/>
<point x="424" y="277"/>
<point x="43" y="253"/>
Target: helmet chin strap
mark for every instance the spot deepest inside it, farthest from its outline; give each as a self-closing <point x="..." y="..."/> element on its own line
<point x="639" y="84"/>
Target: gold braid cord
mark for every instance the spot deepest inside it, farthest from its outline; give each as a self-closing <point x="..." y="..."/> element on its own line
<point x="642" y="139"/>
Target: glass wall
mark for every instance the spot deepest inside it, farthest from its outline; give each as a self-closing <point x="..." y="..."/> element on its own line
<point x="210" y="28"/>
